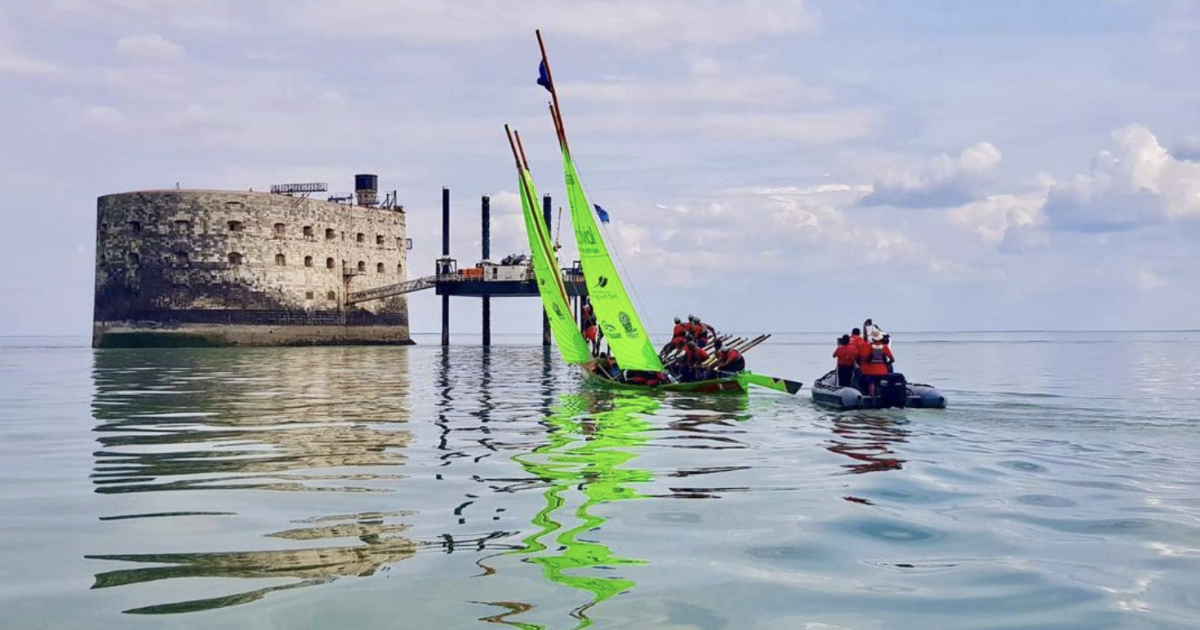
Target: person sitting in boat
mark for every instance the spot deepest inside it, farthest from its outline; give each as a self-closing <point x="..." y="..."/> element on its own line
<point x="607" y="366"/>
<point x="693" y="362"/>
<point x="873" y="363"/>
<point x="643" y="377"/>
<point x="678" y="339"/>
<point x="730" y="361"/>
<point x="846" y="356"/>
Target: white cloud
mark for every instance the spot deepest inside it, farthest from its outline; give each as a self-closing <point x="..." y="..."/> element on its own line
<point x="789" y="230"/>
<point x="1136" y="182"/>
<point x="195" y="15"/>
<point x="940" y="182"/>
<point x="712" y="86"/>
<point x="150" y="46"/>
<point x="16" y="62"/>
<point x="1007" y="221"/>
<point x="812" y="127"/>
<point x="1148" y="280"/>
<point x="631" y="24"/>
<point x="105" y="117"/>
<point x="14" y="59"/>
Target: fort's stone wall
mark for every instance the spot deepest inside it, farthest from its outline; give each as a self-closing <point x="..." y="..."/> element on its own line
<point x="199" y="266"/>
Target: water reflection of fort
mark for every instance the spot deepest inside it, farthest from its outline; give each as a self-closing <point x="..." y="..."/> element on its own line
<point x="330" y="419"/>
<point x="321" y="423"/>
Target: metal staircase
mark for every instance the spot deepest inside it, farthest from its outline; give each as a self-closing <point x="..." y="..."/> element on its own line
<point x="391" y="290"/>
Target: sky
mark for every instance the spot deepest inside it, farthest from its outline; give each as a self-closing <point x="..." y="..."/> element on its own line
<point x="770" y="165"/>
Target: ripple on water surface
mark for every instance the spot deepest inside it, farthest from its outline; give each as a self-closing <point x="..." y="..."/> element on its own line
<point x="362" y="487"/>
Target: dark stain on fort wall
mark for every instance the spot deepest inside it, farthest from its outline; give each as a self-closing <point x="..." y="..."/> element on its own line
<point x="200" y="267"/>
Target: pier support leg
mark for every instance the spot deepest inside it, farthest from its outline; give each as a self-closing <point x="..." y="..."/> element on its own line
<point x="487" y="321"/>
<point x="485" y="214"/>
<point x="546" y="212"/>
<point x="445" y="254"/>
<point x="445" y="320"/>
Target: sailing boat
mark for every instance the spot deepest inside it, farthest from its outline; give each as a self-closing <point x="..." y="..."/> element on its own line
<point x="628" y="340"/>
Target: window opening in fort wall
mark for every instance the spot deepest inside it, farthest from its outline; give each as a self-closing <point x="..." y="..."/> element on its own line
<point x="224" y="267"/>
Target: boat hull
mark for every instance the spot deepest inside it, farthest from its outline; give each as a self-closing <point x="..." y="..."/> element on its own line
<point x="726" y="384"/>
<point x="827" y="393"/>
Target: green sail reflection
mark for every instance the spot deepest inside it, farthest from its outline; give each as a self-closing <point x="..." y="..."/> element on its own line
<point x="590" y="442"/>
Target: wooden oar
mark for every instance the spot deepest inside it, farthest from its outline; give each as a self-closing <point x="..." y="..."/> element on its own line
<point x="743" y="349"/>
<point x="742" y="345"/>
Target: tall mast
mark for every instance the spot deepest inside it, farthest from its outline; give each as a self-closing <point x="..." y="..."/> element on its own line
<point x="512" y="145"/>
<point x="521" y="148"/>
<point x="555" y="110"/>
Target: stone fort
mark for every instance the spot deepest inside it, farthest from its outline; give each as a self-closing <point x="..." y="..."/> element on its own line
<point x="208" y="267"/>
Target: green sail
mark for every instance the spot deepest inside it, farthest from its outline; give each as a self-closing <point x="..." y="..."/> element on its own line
<point x="549" y="278"/>
<point x="628" y="340"/>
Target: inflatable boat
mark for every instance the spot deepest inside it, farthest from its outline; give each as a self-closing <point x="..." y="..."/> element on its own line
<point x="892" y="391"/>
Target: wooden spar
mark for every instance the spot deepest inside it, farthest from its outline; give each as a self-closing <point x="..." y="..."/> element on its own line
<point x="517" y="158"/>
<point x="555" y="110"/>
<point x="513" y="146"/>
<point x="520" y="147"/>
<point x="559" y="131"/>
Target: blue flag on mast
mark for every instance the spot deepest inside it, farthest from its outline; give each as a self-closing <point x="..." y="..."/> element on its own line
<point x="544" y="77"/>
<point x="602" y="213"/>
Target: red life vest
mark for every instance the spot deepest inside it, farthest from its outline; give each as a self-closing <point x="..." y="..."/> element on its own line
<point x="872" y="359"/>
<point x="845" y="355"/>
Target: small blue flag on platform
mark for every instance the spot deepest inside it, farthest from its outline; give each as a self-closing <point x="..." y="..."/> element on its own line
<point x="544" y="77"/>
<point x="602" y="213"/>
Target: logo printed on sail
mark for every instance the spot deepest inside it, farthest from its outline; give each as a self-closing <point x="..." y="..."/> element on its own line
<point x="627" y="324"/>
<point x="603" y="282"/>
<point x="610" y="331"/>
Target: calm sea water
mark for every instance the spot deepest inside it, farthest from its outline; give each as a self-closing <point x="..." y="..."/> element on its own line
<point x="428" y="488"/>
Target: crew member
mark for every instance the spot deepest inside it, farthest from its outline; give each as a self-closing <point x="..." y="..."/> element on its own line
<point x="694" y="358"/>
<point x="873" y="362"/>
<point x="591" y="331"/>
<point x="846" y="356"/>
<point x="680" y="329"/>
<point x="730" y="361"/>
<point x="707" y="332"/>
<point x="678" y="339"/>
<point x="856" y="340"/>
<point x="700" y="330"/>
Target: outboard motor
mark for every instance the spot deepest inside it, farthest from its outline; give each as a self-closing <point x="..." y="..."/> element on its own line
<point x="892" y="391"/>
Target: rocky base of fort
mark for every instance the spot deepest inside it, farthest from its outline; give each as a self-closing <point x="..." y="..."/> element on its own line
<point x="152" y="335"/>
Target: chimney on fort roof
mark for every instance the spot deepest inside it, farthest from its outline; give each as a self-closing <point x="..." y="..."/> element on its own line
<point x="366" y="186"/>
